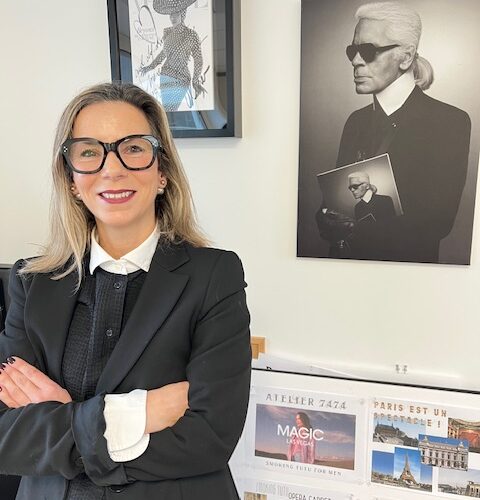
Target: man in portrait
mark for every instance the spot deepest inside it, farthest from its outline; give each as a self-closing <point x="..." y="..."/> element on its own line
<point x="427" y="140"/>
<point x="370" y="203"/>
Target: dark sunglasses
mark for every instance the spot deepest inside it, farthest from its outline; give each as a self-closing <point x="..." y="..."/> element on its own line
<point x="354" y="187"/>
<point x="367" y="51"/>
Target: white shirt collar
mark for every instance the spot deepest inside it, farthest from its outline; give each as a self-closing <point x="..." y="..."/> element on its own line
<point x="395" y="95"/>
<point x="367" y="196"/>
<point x="139" y="258"/>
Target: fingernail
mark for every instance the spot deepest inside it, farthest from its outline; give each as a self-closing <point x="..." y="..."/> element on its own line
<point x="4" y="366"/>
<point x="11" y="360"/>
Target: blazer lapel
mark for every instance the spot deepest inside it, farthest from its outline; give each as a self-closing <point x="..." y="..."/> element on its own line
<point x="48" y="318"/>
<point x="159" y="294"/>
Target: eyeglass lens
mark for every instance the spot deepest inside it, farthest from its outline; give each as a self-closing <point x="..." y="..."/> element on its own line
<point x="367" y="51"/>
<point x="354" y="187"/>
<point x="87" y="155"/>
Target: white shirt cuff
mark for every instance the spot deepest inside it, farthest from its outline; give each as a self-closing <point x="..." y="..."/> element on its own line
<point x="125" y="417"/>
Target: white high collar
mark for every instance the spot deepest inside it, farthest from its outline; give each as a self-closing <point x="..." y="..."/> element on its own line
<point x="394" y="96"/>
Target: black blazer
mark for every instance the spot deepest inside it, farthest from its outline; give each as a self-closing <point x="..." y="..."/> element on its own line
<point x="190" y="322"/>
<point x="428" y="143"/>
<point x="380" y="206"/>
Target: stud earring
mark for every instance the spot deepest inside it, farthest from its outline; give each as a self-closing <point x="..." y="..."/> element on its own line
<point x="78" y="196"/>
<point x="160" y="191"/>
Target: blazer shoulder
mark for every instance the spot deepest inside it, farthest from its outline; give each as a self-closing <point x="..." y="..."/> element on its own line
<point x="215" y="261"/>
<point x="445" y="111"/>
<point x="210" y="254"/>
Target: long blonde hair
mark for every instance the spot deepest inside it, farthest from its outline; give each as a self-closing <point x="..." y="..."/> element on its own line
<point x="71" y="222"/>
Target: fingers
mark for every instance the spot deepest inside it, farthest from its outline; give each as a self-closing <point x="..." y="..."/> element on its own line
<point x="12" y="391"/>
<point x="21" y="384"/>
<point x="21" y="380"/>
<point x="35" y="376"/>
<point x="6" y="399"/>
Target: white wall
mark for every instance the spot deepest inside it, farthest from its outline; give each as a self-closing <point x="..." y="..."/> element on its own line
<point x="366" y="316"/>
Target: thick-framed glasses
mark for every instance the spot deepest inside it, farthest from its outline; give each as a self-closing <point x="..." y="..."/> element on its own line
<point x="86" y="155"/>
<point x="368" y="52"/>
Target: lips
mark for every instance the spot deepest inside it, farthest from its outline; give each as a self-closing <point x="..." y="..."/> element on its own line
<point x="117" y="196"/>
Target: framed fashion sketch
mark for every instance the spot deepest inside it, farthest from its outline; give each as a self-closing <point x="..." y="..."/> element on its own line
<point x="186" y="54"/>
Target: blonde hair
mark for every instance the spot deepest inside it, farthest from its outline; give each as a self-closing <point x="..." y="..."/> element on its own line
<point x="403" y="26"/>
<point x="71" y="222"/>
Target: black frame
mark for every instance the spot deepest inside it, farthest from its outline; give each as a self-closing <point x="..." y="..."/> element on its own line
<point x="228" y="81"/>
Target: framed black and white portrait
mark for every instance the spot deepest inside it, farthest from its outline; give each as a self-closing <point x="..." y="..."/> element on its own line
<point x="185" y="53"/>
<point x="395" y="78"/>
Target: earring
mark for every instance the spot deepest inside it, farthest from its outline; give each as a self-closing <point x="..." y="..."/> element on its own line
<point x="160" y="191"/>
<point x="78" y="196"/>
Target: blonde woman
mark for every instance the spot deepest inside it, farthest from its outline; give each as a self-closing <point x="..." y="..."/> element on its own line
<point x="127" y="342"/>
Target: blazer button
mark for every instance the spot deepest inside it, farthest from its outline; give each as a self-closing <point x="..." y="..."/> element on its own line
<point x="117" y="489"/>
<point x="79" y="462"/>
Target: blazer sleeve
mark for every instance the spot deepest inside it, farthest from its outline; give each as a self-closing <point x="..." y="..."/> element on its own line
<point x="219" y="376"/>
<point x="41" y="439"/>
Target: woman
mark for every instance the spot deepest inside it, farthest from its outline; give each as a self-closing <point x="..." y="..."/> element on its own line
<point x="180" y="43"/>
<point x="126" y="310"/>
<point x="302" y="445"/>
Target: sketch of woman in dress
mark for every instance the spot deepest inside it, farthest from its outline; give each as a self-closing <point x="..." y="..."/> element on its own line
<point x="179" y="44"/>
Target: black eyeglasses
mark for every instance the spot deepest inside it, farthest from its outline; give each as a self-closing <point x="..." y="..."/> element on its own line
<point x="367" y="51"/>
<point x="85" y="155"/>
<point x="354" y="187"/>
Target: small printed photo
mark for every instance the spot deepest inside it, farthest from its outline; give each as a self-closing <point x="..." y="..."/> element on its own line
<point x="402" y="469"/>
<point x="443" y="452"/>
<point x="399" y="433"/>
<point x="465" y="429"/>
<point x="358" y="203"/>
<point x="459" y="482"/>
<point x="309" y="437"/>
<point x="254" y="496"/>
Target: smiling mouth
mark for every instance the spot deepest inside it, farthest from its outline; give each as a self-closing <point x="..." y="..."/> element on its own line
<point x="117" y="196"/>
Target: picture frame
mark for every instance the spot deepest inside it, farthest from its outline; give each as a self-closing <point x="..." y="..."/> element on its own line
<point x="193" y="71"/>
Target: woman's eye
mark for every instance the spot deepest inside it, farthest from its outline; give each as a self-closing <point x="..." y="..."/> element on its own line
<point x="134" y="148"/>
<point x="88" y="153"/>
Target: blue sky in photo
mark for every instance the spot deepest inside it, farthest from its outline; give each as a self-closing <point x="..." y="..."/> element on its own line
<point x="382" y="462"/>
<point x="438" y="439"/>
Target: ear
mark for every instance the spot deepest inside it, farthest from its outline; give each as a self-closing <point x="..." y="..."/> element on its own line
<point x="408" y="56"/>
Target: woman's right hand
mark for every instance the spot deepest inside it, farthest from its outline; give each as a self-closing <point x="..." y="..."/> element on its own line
<point x="165" y="406"/>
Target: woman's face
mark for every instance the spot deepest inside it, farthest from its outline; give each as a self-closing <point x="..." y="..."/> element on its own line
<point x="298" y="421"/>
<point x="118" y="198"/>
<point x="176" y="18"/>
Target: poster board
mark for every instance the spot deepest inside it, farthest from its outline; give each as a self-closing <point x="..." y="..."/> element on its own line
<point x="360" y="441"/>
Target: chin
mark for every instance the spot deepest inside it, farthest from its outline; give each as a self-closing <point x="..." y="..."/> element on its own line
<point x="361" y="89"/>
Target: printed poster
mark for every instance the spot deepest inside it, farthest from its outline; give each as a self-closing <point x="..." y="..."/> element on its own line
<point x="260" y="489"/>
<point x="430" y="448"/>
<point x="306" y="433"/>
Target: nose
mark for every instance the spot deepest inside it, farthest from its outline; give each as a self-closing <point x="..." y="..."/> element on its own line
<point x="113" y="168"/>
<point x="357" y="60"/>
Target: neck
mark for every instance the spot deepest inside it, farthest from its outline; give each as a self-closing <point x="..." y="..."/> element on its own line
<point x="117" y="242"/>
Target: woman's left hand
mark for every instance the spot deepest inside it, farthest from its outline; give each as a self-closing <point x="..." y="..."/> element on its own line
<point x="22" y="384"/>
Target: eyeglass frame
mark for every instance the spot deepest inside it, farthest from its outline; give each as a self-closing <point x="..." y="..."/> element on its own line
<point x="378" y="50"/>
<point x="354" y="187"/>
<point x="112" y="146"/>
